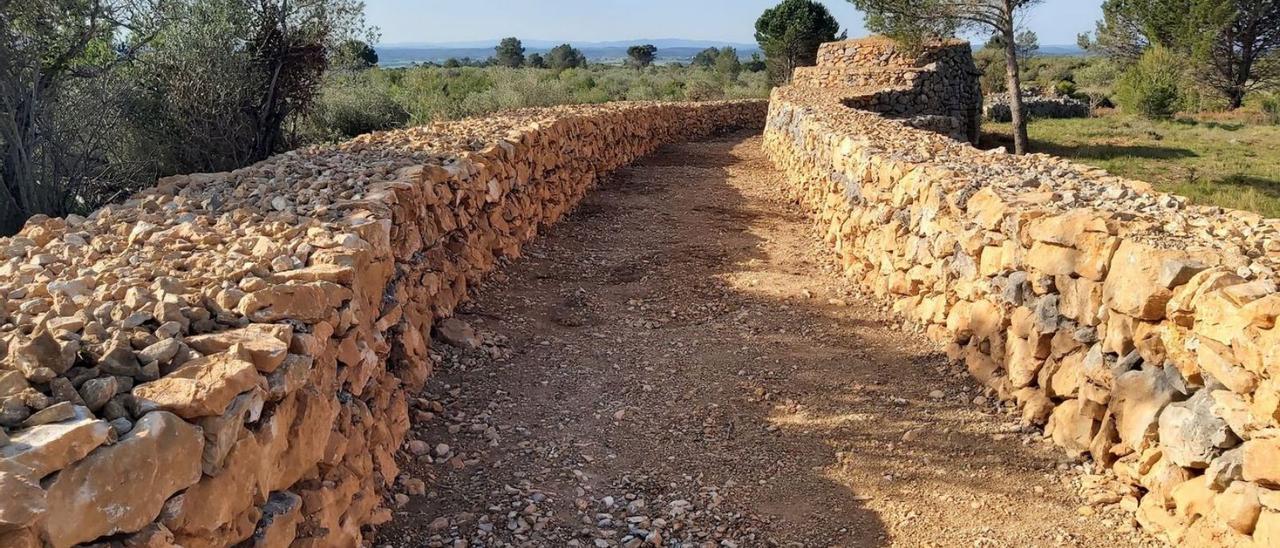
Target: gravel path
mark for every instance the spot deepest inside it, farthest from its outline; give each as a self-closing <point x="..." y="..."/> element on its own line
<point x="680" y="363"/>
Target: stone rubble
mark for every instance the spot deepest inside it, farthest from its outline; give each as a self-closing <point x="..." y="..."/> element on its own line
<point x="1137" y="329"/>
<point x="225" y="358"/>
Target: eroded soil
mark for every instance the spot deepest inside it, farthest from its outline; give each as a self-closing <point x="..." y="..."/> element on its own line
<point x="680" y="363"/>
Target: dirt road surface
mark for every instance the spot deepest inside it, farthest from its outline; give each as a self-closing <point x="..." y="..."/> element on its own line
<point x="680" y="363"/>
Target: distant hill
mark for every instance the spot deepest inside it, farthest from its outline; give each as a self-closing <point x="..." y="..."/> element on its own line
<point x="669" y="50"/>
<point x="1060" y="50"/>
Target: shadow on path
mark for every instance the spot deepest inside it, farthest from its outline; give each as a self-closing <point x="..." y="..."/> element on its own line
<point x="684" y="336"/>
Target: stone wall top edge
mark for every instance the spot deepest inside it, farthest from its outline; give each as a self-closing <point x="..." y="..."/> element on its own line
<point x="431" y="144"/>
<point x="1044" y="183"/>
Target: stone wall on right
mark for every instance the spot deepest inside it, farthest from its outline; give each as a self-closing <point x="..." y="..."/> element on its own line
<point x="1139" y="330"/>
<point x="933" y="87"/>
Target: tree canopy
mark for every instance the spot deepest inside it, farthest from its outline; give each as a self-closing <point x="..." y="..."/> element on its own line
<point x="790" y="34"/>
<point x="509" y="53"/>
<point x="355" y="55"/>
<point x="1235" y="44"/>
<point x="565" y="56"/>
<point x="642" y="56"/>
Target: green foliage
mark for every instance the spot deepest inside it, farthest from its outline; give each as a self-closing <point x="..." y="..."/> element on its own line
<point x="1026" y="43"/>
<point x="756" y="64"/>
<point x="1097" y="81"/>
<point x="355" y="55"/>
<point x="728" y="64"/>
<point x="790" y="33"/>
<point x="706" y="58"/>
<point x="509" y="53"/>
<point x="351" y="105"/>
<point x="565" y="56"/>
<point x="1270" y="104"/>
<point x="641" y="56"/>
<point x="1232" y="44"/>
<point x="1150" y="87"/>
<point x="384" y="98"/>
<point x="535" y="60"/>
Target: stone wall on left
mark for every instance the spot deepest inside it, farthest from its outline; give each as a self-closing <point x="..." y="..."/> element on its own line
<point x="225" y="358"/>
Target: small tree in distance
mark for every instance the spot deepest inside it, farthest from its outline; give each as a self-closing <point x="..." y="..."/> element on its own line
<point x="535" y="60"/>
<point x="728" y="64"/>
<point x="641" y="56"/>
<point x="355" y="55"/>
<point x="706" y="58"/>
<point x="916" y="21"/>
<point x="509" y="53"/>
<point x="790" y="34"/>
<point x="564" y="57"/>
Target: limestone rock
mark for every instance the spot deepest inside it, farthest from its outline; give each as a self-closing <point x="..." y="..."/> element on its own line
<point x="23" y="501"/>
<point x="1142" y="279"/>
<point x="47" y="448"/>
<point x="200" y="388"/>
<point x="12" y="383"/>
<point x="222" y="432"/>
<point x="456" y="332"/>
<point x="121" y="488"/>
<point x="266" y="344"/>
<point x="1137" y="401"/>
<point x="1260" y="462"/>
<point x="1191" y="434"/>
<point x="1239" y="506"/>
<point x="306" y="302"/>
<point x="280" y="518"/>
<point x="40" y="352"/>
<point x="54" y="413"/>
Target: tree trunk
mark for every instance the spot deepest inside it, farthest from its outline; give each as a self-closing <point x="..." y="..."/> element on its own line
<point x="12" y="176"/>
<point x="1013" y="81"/>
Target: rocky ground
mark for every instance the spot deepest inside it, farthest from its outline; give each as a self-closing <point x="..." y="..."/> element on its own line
<point x="680" y="363"/>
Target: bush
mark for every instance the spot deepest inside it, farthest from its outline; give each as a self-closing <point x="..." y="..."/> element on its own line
<point x="375" y="99"/>
<point x="1271" y="108"/>
<point x="352" y="105"/>
<point x="1151" y="86"/>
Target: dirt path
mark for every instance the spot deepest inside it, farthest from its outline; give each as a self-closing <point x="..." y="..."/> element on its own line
<point x="680" y="361"/>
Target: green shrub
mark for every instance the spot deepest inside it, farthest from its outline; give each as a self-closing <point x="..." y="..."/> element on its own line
<point x="352" y="105"/>
<point x="1151" y="86"/>
<point x="1271" y="108"/>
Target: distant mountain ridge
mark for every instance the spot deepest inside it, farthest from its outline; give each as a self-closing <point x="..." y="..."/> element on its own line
<point x="669" y="50"/>
<point x="399" y="54"/>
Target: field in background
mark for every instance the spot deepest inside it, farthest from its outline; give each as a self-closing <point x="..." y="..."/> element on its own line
<point x="353" y="103"/>
<point x="1230" y="163"/>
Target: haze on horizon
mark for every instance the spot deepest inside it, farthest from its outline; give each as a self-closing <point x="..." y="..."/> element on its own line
<point x="1056" y="22"/>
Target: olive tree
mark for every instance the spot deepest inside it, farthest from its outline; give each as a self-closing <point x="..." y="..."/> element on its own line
<point x="51" y="50"/>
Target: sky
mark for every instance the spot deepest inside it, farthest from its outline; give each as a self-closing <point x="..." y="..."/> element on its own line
<point x="1057" y="22"/>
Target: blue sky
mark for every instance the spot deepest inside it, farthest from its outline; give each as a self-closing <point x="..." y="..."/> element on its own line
<point x="1056" y="21"/>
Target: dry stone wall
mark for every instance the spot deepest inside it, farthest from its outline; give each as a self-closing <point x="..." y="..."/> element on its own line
<point x="1137" y="329"/>
<point x="225" y="358"/>
<point x="934" y="88"/>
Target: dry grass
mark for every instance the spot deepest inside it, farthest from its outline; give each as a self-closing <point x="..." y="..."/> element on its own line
<point x="1227" y="161"/>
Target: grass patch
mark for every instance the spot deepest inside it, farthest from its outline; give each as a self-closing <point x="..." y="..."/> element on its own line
<point x="1228" y="163"/>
